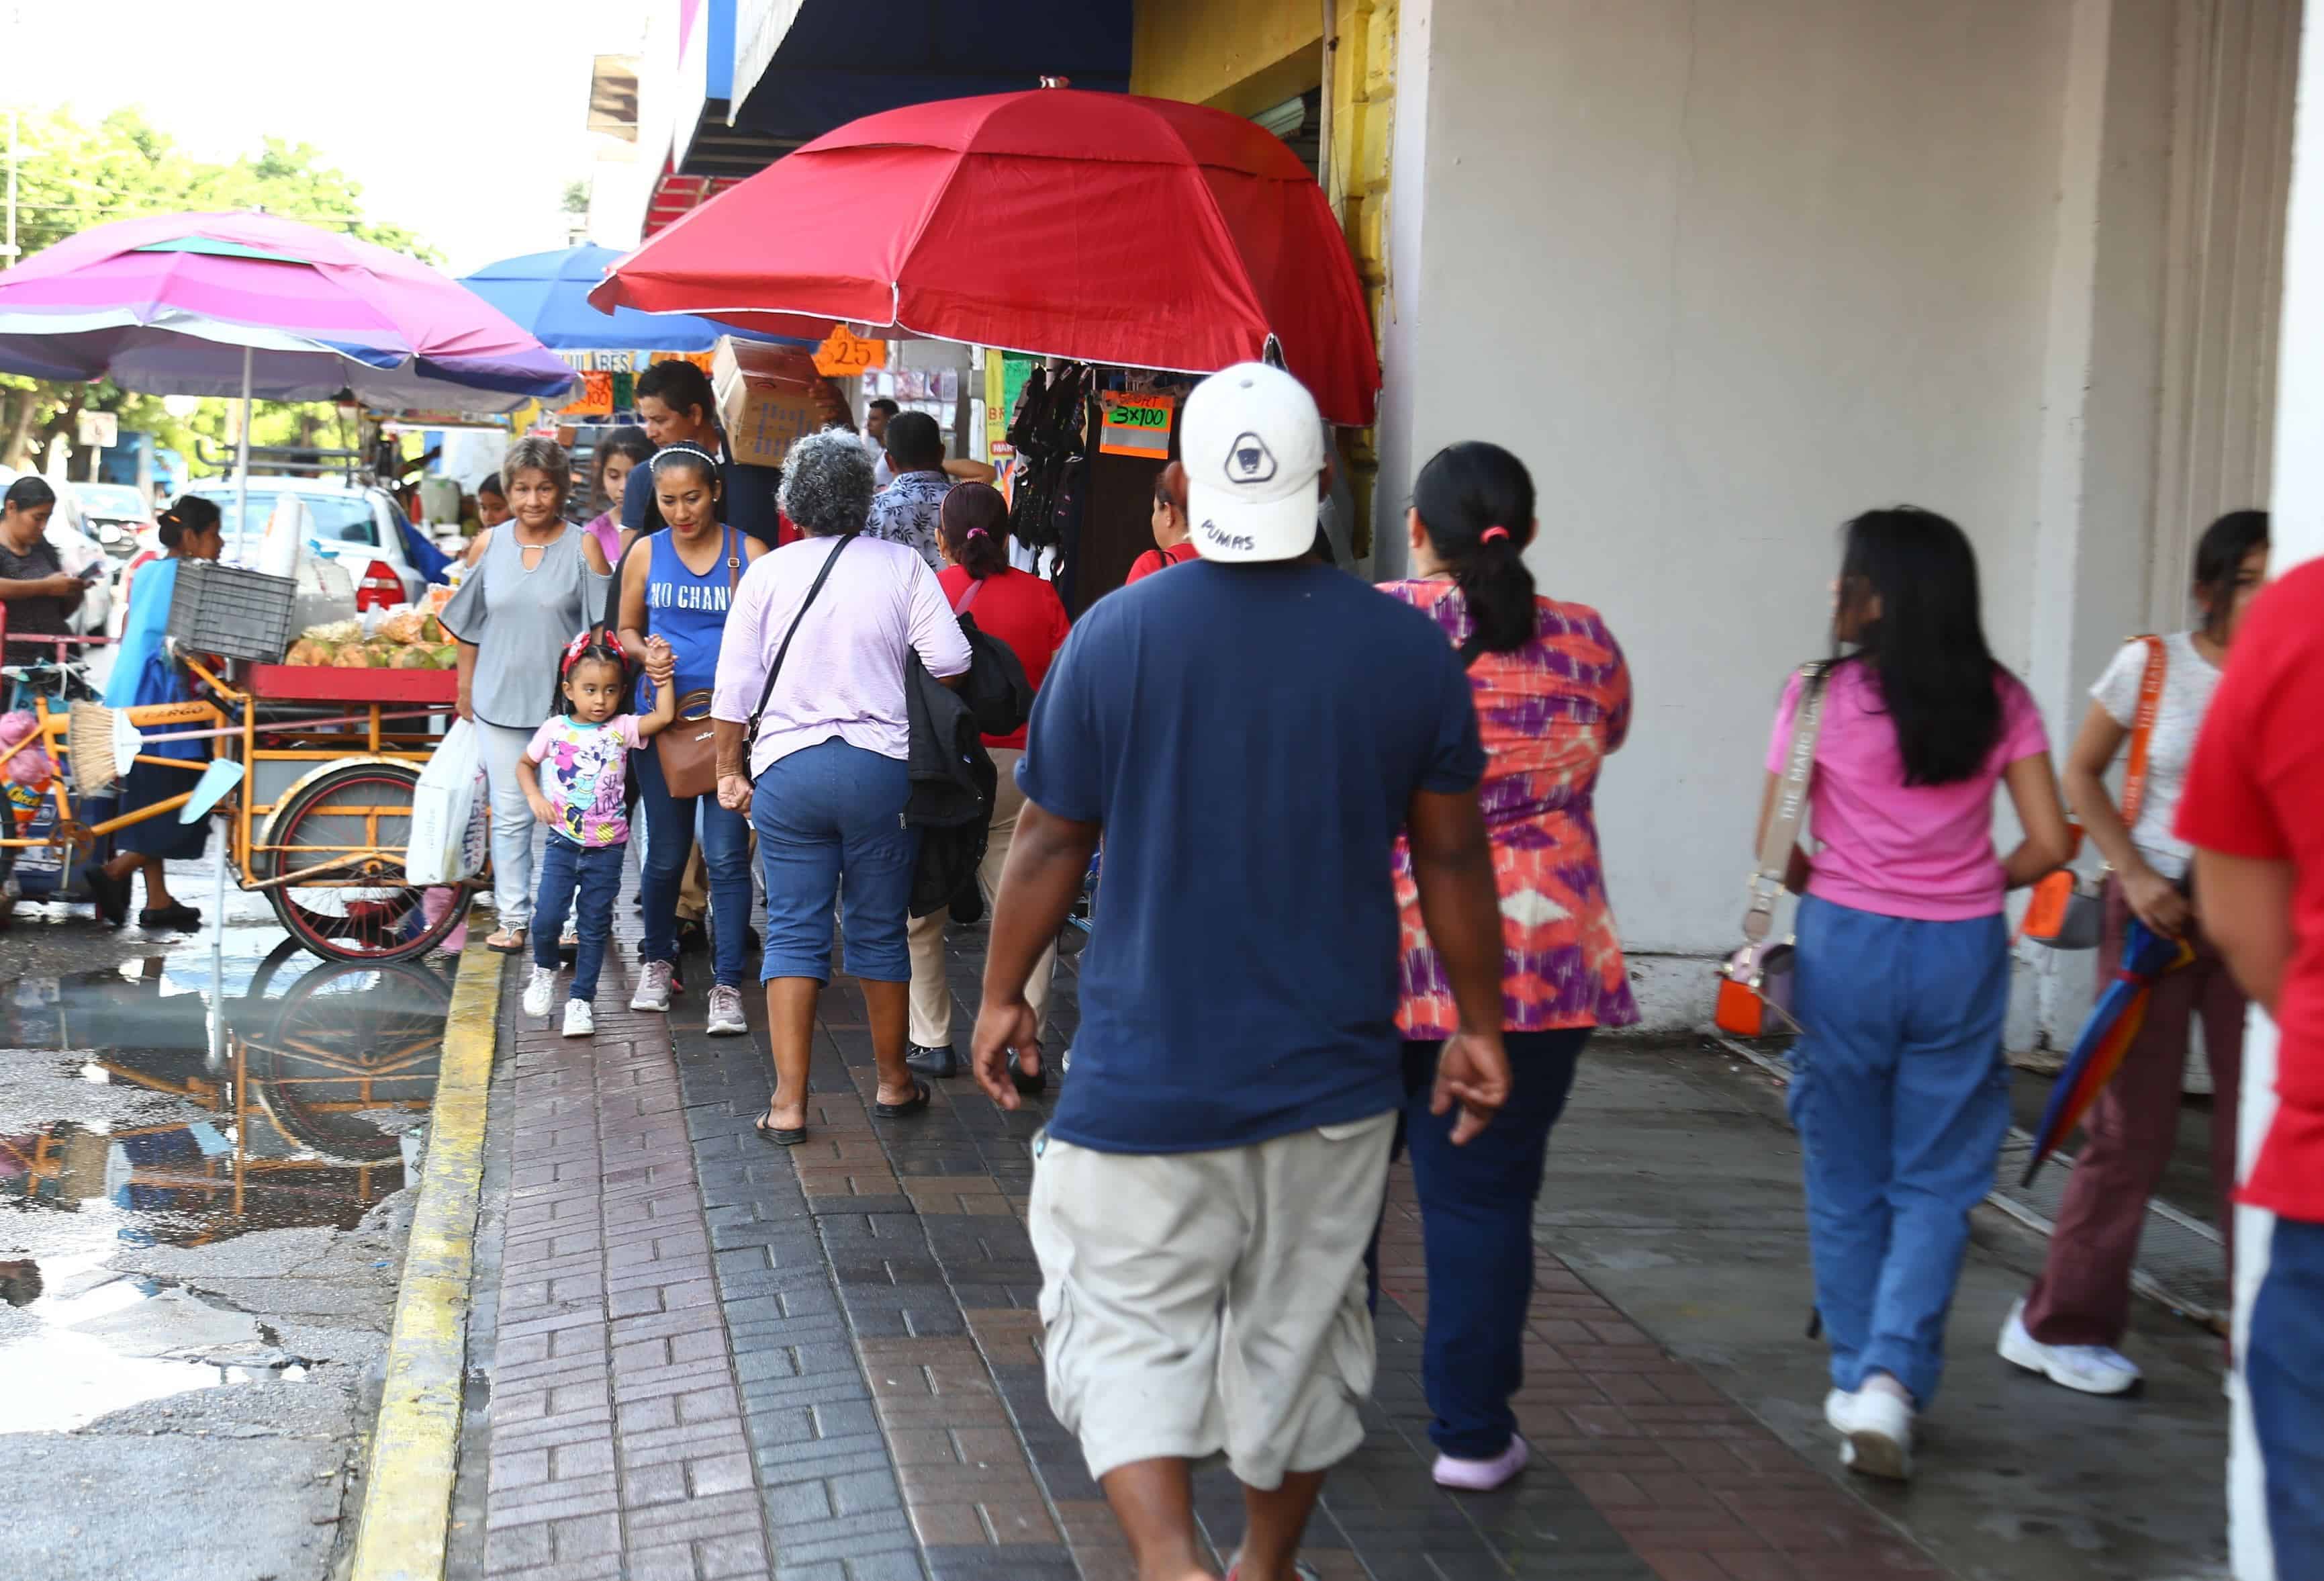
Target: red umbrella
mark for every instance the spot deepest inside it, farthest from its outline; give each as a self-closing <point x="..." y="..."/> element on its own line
<point x="1101" y="227"/>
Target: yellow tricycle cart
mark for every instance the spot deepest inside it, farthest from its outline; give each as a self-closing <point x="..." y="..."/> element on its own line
<point x="320" y="814"/>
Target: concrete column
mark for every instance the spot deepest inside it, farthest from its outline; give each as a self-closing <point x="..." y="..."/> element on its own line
<point x="2102" y="380"/>
<point x="1398" y="310"/>
<point x="2297" y="505"/>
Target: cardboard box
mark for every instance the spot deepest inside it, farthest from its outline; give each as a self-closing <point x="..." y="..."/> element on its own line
<point x="769" y="398"/>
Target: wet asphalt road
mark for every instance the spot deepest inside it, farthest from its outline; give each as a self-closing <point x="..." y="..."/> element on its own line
<point x="201" y="1231"/>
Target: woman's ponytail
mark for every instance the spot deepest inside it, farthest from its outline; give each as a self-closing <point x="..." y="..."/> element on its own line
<point x="973" y="524"/>
<point x="190" y="514"/>
<point x="1476" y="503"/>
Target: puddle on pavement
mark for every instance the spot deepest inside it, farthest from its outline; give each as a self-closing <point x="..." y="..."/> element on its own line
<point x="128" y="1119"/>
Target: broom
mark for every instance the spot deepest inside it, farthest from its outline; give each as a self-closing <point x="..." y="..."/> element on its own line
<point x="102" y="744"/>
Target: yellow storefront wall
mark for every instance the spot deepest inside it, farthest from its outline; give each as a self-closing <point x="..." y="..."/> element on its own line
<point x="1245" y="56"/>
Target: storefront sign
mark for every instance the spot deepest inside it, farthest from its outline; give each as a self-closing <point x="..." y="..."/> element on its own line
<point x="1004" y="380"/>
<point x="847" y="352"/>
<point x="1136" y="425"/>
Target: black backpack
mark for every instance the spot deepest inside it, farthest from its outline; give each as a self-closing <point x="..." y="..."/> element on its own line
<point x="995" y="688"/>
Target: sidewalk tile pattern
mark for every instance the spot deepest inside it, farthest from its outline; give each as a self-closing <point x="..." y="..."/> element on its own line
<point x="721" y="1358"/>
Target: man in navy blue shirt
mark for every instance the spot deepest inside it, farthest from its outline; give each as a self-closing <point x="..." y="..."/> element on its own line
<point x="676" y="407"/>
<point x="1249" y="735"/>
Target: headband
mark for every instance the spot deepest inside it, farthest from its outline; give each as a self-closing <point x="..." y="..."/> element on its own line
<point x="580" y="645"/>
<point x="1490" y="533"/>
<point x="687" y="448"/>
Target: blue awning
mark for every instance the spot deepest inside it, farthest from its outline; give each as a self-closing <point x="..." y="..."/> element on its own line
<point x="840" y="59"/>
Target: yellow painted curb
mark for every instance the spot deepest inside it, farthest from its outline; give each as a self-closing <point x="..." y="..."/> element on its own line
<point x="407" y="1508"/>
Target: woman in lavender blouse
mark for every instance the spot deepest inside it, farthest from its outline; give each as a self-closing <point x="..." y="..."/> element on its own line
<point x="823" y="779"/>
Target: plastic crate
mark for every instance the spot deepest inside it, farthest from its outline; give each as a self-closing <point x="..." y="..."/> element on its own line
<point x="230" y="611"/>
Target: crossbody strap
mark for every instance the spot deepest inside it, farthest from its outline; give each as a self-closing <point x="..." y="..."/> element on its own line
<point x="751" y="733"/>
<point x="1791" y="805"/>
<point x="968" y="594"/>
<point x="2142" y="729"/>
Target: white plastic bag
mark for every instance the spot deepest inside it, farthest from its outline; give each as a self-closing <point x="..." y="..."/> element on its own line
<point x="444" y="806"/>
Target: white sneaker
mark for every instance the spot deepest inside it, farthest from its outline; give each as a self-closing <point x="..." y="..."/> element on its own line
<point x="653" y="987"/>
<point x="2094" y="1369"/>
<point x="1878" y="1428"/>
<point x="580" y="1019"/>
<point x="726" y="1012"/>
<point x="539" y="991"/>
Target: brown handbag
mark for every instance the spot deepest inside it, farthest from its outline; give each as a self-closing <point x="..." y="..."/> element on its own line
<point x="689" y="745"/>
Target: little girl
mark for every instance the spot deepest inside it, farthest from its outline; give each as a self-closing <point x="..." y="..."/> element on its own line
<point x="573" y="773"/>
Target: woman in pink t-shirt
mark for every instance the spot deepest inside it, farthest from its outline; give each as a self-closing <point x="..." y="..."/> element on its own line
<point x="1899" y="1091"/>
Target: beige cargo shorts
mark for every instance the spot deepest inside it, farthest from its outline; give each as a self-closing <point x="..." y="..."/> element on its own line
<point x="1201" y="1302"/>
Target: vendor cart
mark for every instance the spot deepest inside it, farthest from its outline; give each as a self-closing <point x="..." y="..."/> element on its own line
<point x="322" y="814"/>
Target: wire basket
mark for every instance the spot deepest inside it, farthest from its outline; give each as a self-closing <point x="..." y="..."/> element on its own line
<point x="231" y="611"/>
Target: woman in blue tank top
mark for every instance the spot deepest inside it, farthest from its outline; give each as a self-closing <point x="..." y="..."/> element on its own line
<point x="676" y="586"/>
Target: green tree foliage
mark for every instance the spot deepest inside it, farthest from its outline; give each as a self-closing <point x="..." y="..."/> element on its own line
<point x="72" y="176"/>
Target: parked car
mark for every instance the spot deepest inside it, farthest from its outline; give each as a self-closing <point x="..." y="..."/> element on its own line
<point x="114" y="514"/>
<point x="357" y="527"/>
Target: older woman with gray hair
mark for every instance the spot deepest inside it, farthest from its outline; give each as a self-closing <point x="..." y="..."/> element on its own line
<point x="813" y="740"/>
<point x="532" y="583"/>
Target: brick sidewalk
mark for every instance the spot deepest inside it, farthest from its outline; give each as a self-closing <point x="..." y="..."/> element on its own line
<point x="717" y="1358"/>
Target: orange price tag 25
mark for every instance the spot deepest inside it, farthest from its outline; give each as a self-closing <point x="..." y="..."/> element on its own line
<point x="845" y="353"/>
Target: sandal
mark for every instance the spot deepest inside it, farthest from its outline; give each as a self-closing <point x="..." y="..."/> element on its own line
<point x="911" y="1105"/>
<point x="507" y="942"/>
<point x="780" y="1135"/>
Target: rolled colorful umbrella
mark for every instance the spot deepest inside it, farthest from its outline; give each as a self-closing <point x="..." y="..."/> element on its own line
<point x="1101" y="227"/>
<point x="548" y="295"/>
<point x="2106" y="1037"/>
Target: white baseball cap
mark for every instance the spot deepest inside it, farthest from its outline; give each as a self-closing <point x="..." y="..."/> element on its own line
<point x="1252" y="444"/>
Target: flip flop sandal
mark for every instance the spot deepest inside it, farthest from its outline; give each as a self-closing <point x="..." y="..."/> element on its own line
<point x="513" y="945"/>
<point x="780" y="1135"/>
<point x="911" y="1105"/>
<point x="1299" y="1568"/>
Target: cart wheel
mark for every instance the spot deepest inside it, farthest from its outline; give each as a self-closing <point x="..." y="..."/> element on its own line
<point x="359" y="914"/>
<point x="351" y="1039"/>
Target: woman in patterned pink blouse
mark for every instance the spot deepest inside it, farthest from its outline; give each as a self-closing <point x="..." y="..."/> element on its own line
<point x="1553" y="699"/>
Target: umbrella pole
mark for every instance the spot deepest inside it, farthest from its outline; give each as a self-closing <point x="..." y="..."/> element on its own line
<point x="224" y="832"/>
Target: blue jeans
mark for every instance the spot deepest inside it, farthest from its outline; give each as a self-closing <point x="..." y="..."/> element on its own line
<point x="594" y="872"/>
<point x="2283" y="1373"/>
<point x="1476" y="1216"/>
<point x="669" y="840"/>
<point x="830" y="821"/>
<point x="1901" y="1099"/>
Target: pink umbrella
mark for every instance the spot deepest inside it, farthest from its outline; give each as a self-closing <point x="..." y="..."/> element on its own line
<point x="252" y="305"/>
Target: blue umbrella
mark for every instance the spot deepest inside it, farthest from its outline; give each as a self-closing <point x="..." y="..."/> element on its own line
<point x="548" y="293"/>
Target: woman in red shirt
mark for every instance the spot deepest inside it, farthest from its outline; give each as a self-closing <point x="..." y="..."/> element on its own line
<point x="1025" y="612"/>
<point x="1173" y="530"/>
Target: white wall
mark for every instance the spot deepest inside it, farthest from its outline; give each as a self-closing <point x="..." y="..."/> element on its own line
<point x="1757" y="266"/>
